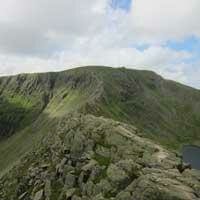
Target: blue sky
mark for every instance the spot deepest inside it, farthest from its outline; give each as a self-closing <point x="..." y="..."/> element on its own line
<point x="121" y="4"/>
<point x="158" y="35"/>
<point x="189" y="43"/>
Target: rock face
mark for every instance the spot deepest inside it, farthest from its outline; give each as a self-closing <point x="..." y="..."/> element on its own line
<point x="93" y="158"/>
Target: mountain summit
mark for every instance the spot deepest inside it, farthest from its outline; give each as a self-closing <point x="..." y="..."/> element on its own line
<point x="96" y="133"/>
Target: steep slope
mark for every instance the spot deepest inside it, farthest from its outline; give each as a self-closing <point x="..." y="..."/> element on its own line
<point x="167" y="111"/>
<point x="87" y="157"/>
<point x="32" y="104"/>
<point x="93" y="157"/>
<point x="24" y="97"/>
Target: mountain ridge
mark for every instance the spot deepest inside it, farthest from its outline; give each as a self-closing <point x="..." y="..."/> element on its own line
<point x="97" y="133"/>
<point x="140" y="98"/>
<point x="90" y="157"/>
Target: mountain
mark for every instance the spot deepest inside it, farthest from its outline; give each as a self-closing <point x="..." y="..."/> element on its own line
<point x="77" y="128"/>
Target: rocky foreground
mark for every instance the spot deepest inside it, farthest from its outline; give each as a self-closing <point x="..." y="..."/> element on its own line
<point x="89" y="157"/>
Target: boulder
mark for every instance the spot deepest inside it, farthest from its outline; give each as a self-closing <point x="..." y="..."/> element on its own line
<point x="116" y="175"/>
<point x="90" y="165"/>
<point x="70" y="180"/>
<point x="38" y="195"/>
<point x="69" y="193"/>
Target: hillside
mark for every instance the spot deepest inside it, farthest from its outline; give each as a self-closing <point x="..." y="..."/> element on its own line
<point x="38" y="112"/>
<point x="31" y="104"/>
<point x="167" y="111"/>
<point x="95" y="158"/>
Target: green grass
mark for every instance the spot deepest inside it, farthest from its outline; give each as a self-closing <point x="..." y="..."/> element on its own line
<point x="103" y="161"/>
<point x="15" y="113"/>
<point x="166" y="111"/>
<point x="13" y="148"/>
<point x="22" y="142"/>
<point x="31" y="105"/>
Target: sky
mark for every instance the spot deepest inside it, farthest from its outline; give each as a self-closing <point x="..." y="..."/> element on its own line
<point x="158" y="35"/>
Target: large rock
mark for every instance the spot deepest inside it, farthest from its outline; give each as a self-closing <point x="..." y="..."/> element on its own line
<point x="158" y="187"/>
<point x="70" y="180"/>
<point x="38" y="195"/>
<point x="117" y="175"/>
<point x="69" y="193"/>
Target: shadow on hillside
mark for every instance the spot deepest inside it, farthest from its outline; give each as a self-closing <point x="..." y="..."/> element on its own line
<point x="23" y="141"/>
<point x="12" y="116"/>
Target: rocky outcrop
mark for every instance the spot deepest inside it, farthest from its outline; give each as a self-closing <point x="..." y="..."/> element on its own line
<point x="91" y="158"/>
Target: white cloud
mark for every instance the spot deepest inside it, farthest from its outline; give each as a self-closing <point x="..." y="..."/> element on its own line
<point x="43" y="26"/>
<point x="43" y="35"/>
<point x="162" y="20"/>
<point x="153" y="58"/>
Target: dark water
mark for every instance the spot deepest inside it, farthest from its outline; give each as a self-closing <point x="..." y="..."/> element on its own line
<point x="191" y="154"/>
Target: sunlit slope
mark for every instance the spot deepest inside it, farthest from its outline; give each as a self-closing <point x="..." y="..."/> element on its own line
<point x="31" y="104"/>
<point x="33" y="107"/>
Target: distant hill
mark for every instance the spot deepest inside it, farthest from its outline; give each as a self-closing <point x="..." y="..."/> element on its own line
<point x="32" y="106"/>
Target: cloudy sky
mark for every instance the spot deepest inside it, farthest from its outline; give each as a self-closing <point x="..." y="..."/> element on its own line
<point x="50" y="35"/>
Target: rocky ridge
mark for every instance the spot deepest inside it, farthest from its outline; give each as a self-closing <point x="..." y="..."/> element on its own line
<point x="94" y="158"/>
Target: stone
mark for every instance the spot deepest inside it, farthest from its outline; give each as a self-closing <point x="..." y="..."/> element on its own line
<point x="124" y="195"/>
<point x="69" y="193"/>
<point x="103" y="187"/>
<point x="98" y="197"/>
<point x="47" y="189"/>
<point x="88" y="188"/>
<point x="70" y="180"/>
<point x="96" y="172"/>
<point x="116" y="175"/>
<point x="45" y="166"/>
<point x="23" y="195"/>
<point x="136" y="168"/>
<point x="38" y="195"/>
<point x="90" y="165"/>
<point x="60" y="166"/>
<point x="77" y="144"/>
<point x="75" y="197"/>
<point x="103" y="151"/>
<point x="130" y="167"/>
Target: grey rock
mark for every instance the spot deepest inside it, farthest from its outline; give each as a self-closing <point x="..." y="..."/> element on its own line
<point x="47" y="189"/>
<point x="70" y="192"/>
<point x="98" y="197"/>
<point x="38" y="195"/>
<point x="23" y="195"/>
<point x="124" y="195"/>
<point x="116" y="175"/>
<point x="70" y="180"/>
<point x="90" y="165"/>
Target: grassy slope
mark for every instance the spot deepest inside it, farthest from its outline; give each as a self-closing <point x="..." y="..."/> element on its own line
<point x="52" y="95"/>
<point x="168" y="112"/>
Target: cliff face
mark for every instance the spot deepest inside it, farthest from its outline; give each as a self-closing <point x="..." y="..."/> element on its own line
<point x="72" y="135"/>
